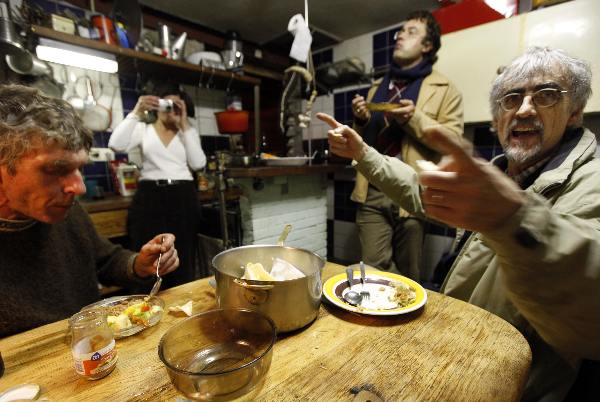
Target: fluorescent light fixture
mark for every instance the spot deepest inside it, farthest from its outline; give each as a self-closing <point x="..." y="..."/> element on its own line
<point x="76" y="56"/>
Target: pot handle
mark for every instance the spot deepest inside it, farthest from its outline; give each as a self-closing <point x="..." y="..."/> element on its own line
<point x="284" y="235"/>
<point x="246" y="285"/>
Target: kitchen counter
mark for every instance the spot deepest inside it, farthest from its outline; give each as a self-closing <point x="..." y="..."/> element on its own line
<point x="109" y="215"/>
<point x="271" y="171"/>
<point x="448" y="350"/>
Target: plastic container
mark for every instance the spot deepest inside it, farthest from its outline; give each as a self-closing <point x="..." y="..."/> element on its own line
<point x="106" y="29"/>
<point x="92" y="344"/>
<point x="127" y="178"/>
<point x="232" y="121"/>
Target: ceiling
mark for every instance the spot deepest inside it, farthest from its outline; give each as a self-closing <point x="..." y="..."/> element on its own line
<point x="265" y="21"/>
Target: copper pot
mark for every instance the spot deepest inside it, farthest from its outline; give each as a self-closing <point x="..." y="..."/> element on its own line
<point x="232" y="121"/>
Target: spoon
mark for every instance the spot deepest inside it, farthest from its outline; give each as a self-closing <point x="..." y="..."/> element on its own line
<point x="364" y="293"/>
<point x="352" y="296"/>
<point x="156" y="286"/>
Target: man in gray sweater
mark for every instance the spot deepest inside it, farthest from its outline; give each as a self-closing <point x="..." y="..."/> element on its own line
<point x="51" y="257"/>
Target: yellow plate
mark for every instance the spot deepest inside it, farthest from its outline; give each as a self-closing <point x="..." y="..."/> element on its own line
<point x="382" y="107"/>
<point x="335" y="286"/>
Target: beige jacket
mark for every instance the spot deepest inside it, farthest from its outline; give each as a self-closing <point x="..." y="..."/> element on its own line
<point x="439" y="102"/>
<point x="540" y="271"/>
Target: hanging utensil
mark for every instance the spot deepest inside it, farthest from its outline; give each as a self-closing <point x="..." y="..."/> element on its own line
<point x="9" y="39"/>
<point x="95" y="116"/>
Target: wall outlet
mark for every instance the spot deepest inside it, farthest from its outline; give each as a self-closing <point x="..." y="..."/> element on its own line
<point x="101" y="155"/>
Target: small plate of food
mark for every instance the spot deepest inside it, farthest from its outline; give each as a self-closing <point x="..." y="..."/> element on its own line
<point x="382" y="106"/>
<point x="128" y="315"/>
<point x="389" y="293"/>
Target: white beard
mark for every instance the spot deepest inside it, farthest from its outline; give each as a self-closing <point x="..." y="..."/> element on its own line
<point x="519" y="155"/>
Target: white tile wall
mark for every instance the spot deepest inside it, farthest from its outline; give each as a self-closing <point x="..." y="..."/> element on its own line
<point x="105" y="88"/>
<point x="317" y="129"/>
<point x="330" y="199"/>
<point x="298" y="200"/>
<point x="207" y="102"/>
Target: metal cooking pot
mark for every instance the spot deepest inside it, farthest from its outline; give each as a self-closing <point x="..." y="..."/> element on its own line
<point x="290" y="304"/>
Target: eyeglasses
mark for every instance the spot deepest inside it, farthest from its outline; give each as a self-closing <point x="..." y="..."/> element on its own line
<point x="411" y="32"/>
<point x="542" y="98"/>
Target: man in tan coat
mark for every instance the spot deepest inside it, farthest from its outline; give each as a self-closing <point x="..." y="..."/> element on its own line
<point x="392" y="239"/>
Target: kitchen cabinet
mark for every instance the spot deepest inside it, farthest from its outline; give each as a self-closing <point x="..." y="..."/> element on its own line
<point x="572" y="26"/>
<point x="110" y="223"/>
<point x="470" y="58"/>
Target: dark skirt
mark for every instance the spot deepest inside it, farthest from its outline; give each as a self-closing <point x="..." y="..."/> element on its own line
<point x="166" y="209"/>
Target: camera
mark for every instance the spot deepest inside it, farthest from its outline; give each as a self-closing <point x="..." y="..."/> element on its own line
<point x="165" y="105"/>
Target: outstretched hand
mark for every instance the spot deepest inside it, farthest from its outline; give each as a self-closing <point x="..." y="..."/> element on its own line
<point x="343" y="141"/>
<point x="466" y="191"/>
<point x="147" y="259"/>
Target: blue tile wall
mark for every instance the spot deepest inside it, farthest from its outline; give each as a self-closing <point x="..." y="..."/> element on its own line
<point x="213" y="143"/>
<point x="486" y="142"/>
<point x="344" y="209"/>
<point x="383" y="47"/>
<point x="99" y="172"/>
<point x="342" y="104"/>
<point x="322" y="57"/>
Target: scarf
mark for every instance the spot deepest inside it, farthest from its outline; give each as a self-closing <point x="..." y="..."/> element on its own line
<point x="413" y="78"/>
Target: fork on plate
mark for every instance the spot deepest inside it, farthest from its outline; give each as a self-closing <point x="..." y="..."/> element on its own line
<point x="364" y="293"/>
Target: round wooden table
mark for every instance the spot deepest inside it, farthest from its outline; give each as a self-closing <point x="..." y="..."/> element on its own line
<point x="447" y="351"/>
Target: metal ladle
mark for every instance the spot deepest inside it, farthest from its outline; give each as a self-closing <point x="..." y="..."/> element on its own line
<point x="352" y="296"/>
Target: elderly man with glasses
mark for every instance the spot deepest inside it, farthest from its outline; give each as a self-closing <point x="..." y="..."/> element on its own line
<point x="533" y="257"/>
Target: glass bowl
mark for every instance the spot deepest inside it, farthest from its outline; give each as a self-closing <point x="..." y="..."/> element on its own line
<point x="219" y="354"/>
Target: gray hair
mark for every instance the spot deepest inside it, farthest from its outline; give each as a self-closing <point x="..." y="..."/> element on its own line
<point x="542" y="60"/>
<point x="28" y="116"/>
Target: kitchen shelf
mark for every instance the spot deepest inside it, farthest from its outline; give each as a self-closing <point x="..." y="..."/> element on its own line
<point x="132" y="61"/>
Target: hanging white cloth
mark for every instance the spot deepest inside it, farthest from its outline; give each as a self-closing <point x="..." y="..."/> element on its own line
<point x="302" y="38"/>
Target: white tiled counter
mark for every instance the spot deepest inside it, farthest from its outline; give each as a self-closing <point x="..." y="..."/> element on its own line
<point x="271" y="199"/>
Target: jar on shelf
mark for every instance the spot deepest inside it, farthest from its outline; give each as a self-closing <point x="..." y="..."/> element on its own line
<point x="92" y="344"/>
<point x="212" y="163"/>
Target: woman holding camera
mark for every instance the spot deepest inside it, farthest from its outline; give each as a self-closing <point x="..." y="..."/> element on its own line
<point x="165" y="200"/>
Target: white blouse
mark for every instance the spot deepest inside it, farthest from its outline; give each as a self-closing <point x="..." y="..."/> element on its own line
<point x="159" y="161"/>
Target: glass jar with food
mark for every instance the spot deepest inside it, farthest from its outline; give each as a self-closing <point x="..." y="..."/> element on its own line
<point x="92" y="344"/>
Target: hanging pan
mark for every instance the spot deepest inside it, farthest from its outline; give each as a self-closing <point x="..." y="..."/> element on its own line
<point x="95" y="116"/>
